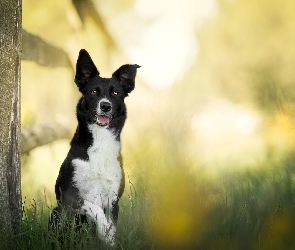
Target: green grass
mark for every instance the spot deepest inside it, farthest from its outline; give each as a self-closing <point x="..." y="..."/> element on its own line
<point x="36" y="235"/>
<point x="257" y="209"/>
<point x="165" y="208"/>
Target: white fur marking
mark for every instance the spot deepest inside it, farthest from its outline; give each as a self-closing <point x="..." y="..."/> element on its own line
<point x="98" y="179"/>
<point x="106" y="230"/>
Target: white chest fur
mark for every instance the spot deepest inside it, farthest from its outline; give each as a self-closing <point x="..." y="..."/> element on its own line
<point x="98" y="179"/>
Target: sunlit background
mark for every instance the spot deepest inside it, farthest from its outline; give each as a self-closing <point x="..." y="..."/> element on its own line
<point x="208" y="146"/>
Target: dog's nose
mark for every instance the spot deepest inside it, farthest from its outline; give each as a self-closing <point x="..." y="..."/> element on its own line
<point x="105" y="106"/>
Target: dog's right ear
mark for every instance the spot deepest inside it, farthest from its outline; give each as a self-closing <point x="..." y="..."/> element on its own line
<point x="85" y="69"/>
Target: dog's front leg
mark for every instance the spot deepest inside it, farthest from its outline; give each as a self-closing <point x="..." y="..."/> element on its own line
<point x="106" y="230"/>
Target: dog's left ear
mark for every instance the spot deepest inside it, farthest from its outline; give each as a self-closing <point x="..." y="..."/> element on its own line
<point x="126" y="76"/>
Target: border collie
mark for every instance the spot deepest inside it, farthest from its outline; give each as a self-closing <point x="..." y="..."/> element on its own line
<point x="91" y="178"/>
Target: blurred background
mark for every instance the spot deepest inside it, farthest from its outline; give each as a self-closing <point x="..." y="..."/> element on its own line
<point x="208" y="146"/>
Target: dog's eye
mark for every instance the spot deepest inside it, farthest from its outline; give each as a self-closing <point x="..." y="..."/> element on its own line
<point x="114" y="93"/>
<point x="93" y="92"/>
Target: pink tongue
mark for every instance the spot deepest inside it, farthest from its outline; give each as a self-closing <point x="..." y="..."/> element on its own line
<point x="102" y="120"/>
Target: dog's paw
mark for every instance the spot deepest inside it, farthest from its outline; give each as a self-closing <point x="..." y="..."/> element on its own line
<point x="108" y="234"/>
<point x="106" y="230"/>
<point x="93" y="211"/>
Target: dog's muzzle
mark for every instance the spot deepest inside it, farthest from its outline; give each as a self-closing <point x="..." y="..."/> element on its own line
<point x="105" y="106"/>
<point x="102" y="116"/>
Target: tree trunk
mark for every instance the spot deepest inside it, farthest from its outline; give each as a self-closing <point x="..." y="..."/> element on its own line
<point x="10" y="188"/>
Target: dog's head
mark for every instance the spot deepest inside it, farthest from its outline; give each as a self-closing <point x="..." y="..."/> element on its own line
<point x="103" y="98"/>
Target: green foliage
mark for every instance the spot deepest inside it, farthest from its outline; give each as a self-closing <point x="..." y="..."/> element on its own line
<point x="257" y="208"/>
<point x="247" y="209"/>
<point x="239" y="207"/>
<point x="247" y="51"/>
<point x="131" y="233"/>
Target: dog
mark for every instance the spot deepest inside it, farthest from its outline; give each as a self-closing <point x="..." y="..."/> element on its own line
<point x="91" y="178"/>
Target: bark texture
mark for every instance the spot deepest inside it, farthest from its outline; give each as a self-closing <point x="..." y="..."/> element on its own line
<point x="10" y="56"/>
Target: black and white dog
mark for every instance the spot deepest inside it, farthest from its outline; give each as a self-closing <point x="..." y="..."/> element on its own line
<point x="91" y="178"/>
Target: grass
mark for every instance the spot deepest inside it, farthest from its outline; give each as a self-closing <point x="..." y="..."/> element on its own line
<point x="172" y="203"/>
<point x="252" y="208"/>
<point x="36" y="235"/>
<point x="257" y="211"/>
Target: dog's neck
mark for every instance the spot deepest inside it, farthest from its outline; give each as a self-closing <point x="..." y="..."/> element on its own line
<point x="104" y="148"/>
<point x="102" y="135"/>
<point x="99" y="177"/>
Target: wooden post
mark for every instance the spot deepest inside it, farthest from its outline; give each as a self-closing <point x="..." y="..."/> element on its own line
<point x="10" y="58"/>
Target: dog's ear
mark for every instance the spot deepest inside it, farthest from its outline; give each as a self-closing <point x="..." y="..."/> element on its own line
<point x="85" y="69"/>
<point x="126" y="76"/>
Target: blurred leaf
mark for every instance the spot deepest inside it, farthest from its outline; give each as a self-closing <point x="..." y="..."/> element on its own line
<point x="247" y="51"/>
<point x="90" y="8"/>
